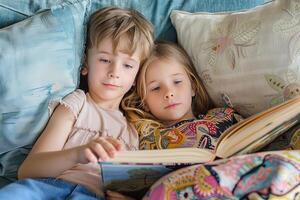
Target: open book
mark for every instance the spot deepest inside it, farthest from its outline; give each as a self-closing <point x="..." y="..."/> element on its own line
<point x="249" y="135"/>
<point x="133" y="172"/>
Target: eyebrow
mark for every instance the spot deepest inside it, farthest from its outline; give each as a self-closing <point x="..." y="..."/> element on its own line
<point x="176" y="74"/>
<point x="106" y="52"/>
<point x="103" y="52"/>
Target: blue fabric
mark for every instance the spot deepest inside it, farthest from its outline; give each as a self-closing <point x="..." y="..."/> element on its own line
<point x="9" y="163"/>
<point x="40" y="59"/>
<point x="46" y="189"/>
<point x="15" y="11"/>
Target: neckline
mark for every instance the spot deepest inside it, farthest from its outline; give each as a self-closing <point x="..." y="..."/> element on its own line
<point x="118" y="111"/>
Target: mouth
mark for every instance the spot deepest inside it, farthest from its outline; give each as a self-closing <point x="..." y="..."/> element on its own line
<point x="172" y="105"/>
<point x="109" y="85"/>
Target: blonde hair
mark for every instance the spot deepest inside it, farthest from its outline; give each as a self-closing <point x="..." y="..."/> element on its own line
<point x="133" y="104"/>
<point x="121" y="24"/>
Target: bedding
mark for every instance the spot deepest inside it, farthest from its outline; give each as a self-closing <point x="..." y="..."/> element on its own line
<point x="274" y="175"/>
<point x="41" y="49"/>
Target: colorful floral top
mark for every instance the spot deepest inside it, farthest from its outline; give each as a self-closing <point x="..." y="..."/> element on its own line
<point x="203" y="132"/>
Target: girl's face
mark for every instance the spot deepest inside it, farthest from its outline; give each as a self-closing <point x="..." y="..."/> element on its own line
<point x="110" y="74"/>
<point x="169" y="91"/>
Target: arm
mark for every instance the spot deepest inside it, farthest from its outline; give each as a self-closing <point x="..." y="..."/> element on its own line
<point x="47" y="159"/>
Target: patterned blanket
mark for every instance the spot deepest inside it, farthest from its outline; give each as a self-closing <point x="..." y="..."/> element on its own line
<point x="269" y="175"/>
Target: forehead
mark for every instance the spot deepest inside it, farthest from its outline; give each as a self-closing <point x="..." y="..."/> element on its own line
<point x="107" y="45"/>
<point x="162" y="68"/>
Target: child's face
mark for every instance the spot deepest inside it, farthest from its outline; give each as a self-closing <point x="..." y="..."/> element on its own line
<point x="110" y="74"/>
<point x="169" y="91"/>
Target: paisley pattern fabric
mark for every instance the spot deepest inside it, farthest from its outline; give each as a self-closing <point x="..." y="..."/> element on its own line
<point x="268" y="175"/>
<point x="203" y="132"/>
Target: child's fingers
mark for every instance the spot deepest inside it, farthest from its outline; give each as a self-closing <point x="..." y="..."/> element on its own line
<point x="107" y="146"/>
<point x="97" y="147"/>
<point x="90" y="155"/>
<point x="119" y="145"/>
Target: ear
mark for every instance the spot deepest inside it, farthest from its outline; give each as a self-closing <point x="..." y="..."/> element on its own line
<point x="84" y="70"/>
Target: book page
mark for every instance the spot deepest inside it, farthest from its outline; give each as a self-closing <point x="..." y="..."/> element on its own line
<point x="268" y="138"/>
<point x="252" y="129"/>
<point x="176" y="155"/>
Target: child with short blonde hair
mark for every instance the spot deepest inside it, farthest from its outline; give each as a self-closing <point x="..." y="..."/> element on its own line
<point x="88" y="127"/>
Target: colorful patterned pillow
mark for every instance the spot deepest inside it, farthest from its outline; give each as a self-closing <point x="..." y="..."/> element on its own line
<point x="266" y="175"/>
<point x="248" y="60"/>
<point x="200" y="133"/>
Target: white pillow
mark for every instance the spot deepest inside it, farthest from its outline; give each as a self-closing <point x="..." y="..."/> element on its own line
<point x="249" y="60"/>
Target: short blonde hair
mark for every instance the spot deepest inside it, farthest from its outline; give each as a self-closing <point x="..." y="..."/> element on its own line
<point x="118" y="24"/>
<point x="134" y="103"/>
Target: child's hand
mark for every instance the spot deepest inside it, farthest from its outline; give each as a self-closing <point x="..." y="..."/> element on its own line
<point x="100" y="149"/>
<point x="110" y="195"/>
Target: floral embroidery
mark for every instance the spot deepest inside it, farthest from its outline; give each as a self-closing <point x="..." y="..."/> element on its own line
<point x="287" y="89"/>
<point x="229" y="40"/>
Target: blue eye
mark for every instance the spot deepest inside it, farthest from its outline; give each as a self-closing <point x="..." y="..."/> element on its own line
<point x="104" y="60"/>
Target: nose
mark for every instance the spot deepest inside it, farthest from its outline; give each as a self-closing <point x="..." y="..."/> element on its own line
<point x="169" y="94"/>
<point x="112" y="75"/>
<point x="113" y="71"/>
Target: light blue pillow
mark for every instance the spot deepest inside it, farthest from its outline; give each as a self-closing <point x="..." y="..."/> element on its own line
<point x="40" y="59"/>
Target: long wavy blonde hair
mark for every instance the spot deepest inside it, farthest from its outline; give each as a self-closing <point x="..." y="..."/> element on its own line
<point x="133" y="104"/>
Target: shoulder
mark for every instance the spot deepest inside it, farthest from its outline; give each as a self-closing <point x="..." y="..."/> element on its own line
<point x="72" y="102"/>
<point x="75" y="96"/>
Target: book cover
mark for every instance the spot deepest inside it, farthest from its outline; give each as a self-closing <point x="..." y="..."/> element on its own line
<point x="133" y="179"/>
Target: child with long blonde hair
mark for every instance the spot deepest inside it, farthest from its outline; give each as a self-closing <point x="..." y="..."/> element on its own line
<point x="170" y="106"/>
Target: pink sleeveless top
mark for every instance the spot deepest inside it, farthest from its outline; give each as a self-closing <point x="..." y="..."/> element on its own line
<point x="91" y="122"/>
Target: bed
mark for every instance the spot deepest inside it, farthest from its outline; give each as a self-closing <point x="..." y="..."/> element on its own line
<point x="247" y="59"/>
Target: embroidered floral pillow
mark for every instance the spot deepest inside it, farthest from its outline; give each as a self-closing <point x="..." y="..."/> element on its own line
<point x="200" y="133"/>
<point x="249" y="60"/>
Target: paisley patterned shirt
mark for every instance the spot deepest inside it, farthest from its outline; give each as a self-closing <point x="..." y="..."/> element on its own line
<point x="202" y="132"/>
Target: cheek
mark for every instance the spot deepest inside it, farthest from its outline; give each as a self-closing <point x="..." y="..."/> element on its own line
<point x="130" y="76"/>
<point x="188" y="89"/>
<point x="153" y="102"/>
